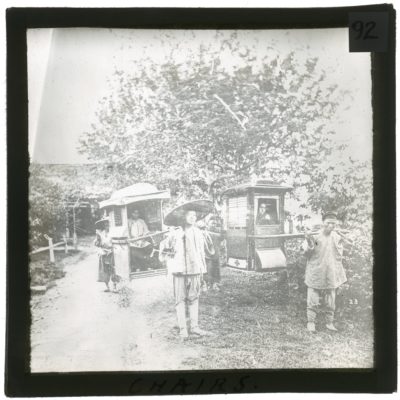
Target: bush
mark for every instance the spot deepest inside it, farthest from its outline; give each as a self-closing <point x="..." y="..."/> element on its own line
<point x="357" y="294"/>
<point x="46" y="208"/>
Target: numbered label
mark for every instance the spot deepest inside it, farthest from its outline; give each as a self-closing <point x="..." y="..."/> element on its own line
<point x="368" y="31"/>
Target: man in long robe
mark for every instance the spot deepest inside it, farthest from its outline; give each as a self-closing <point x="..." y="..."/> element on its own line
<point x="324" y="271"/>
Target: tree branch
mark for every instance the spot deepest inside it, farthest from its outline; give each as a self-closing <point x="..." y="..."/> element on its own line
<point x="230" y="111"/>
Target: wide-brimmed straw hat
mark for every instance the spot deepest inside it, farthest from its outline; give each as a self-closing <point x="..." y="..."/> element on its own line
<point x="329" y="215"/>
<point x="176" y="217"/>
<point x="101" y="222"/>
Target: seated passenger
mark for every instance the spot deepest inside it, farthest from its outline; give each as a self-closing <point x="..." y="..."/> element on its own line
<point x="137" y="228"/>
<point x="140" y="250"/>
<point x="265" y="216"/>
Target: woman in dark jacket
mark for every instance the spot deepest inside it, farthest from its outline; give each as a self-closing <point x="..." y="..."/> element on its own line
<point x="103" y="241"/>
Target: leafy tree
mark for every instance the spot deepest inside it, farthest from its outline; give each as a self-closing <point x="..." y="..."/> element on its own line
<point x="46" y="207"/>
<point x="345" y="187"/>
<point x="189" y="125"/>
<point x="52" y="189"/>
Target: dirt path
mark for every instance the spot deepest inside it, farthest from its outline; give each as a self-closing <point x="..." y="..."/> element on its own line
<point x="76" y="326"/>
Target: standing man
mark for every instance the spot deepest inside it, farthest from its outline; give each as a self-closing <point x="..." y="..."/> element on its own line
<point x="187" y="247"/>
<point x="324" y="271"/>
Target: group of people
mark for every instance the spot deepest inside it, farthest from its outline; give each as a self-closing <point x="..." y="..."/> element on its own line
<point x="190" y="252"/>
<point x="191" y="255"/>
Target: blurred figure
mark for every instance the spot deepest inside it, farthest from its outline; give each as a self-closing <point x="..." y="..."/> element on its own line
<point x="213" y="277"/>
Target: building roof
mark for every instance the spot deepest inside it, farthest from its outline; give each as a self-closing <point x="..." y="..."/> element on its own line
<point x="259" y="184"/>
<point x="134" y="193"/>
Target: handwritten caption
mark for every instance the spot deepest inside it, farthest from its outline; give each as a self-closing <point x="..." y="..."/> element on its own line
<point x="192" y="386"/>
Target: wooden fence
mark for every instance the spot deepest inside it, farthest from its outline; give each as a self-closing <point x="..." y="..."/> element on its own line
<point x="56" y="246"/>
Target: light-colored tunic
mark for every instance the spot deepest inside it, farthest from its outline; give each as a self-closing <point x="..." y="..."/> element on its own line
<point x="324" y="268"/>
<point x="188" y="249"/>
<point x="138" y="228"/>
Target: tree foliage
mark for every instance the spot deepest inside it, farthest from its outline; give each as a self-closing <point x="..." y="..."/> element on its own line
<point x="46" y="207"/>
<point x="186" y="125"/>
<point x="52" y="191"/>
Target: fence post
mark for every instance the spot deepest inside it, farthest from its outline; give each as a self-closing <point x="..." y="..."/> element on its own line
<point x="66" y="244"/>
<point x="51" y="249"/>
<point x="75" y="240"/>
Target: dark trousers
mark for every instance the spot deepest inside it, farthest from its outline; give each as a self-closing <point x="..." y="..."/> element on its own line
<point x="139" y="257"/>
<point x="213" y="271"/>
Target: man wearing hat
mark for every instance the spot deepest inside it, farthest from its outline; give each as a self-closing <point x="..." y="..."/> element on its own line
<point x="187" y="247"/>
<point x="324" y="271"/>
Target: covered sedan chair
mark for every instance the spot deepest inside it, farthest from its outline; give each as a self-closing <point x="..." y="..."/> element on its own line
<point x="134" y="255"/>
<point x="254" y="223"/>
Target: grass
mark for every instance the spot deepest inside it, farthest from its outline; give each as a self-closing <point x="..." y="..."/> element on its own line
<point x="259" y="321"/>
